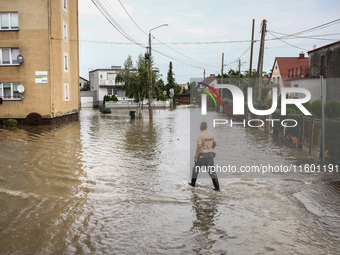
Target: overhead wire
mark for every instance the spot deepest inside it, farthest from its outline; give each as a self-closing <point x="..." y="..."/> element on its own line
<point x="165" y="43"/>
<point x="287" y="42"/>
<point x="109" y="18"/>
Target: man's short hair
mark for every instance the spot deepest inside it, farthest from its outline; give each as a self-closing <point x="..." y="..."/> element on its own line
<point x="204" y="125"/>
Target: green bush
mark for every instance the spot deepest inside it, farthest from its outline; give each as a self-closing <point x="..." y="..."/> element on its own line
<point x="33" y="118"/>
<point x="332" y="138"/>
<point x="11" y="122"/>
<point x="332" y="109"/>
<point x="110" y="98"/>
<point x="317" y="108"/>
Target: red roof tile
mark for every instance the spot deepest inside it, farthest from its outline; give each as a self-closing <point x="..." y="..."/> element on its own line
<point x="286" y="63"/>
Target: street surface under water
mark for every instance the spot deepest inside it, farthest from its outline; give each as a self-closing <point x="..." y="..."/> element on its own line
<point x="111" y="185"/>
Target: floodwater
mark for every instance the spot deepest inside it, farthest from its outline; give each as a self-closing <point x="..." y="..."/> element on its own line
<point x="111" y="185"/>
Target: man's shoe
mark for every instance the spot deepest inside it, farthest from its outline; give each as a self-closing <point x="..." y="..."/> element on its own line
<point x="193" y="182"/>
<point x="216" y="184"/>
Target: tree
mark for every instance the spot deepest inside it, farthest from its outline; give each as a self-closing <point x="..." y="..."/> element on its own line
<point x="158" y="91"/>
<point x="136" y="79"/>
<point x="86" y="87"/>
<point x="170" y="79"/>
<point x="172" y="84"/>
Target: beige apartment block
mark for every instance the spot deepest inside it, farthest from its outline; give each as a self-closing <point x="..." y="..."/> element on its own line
<point x="45" y="34"/>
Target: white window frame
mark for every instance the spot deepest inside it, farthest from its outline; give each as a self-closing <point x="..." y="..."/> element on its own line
<point x="108" y="93"/>
<point x="64" y="5"/>
<point x="9" y="22"/>
<point x="66" y="62"/>
<point x="11" y="98"/>
<point x="65" y="31"/>
<point x="66" y="92"/>
<point x="10" y="57"/>
<point x="113" y="74"/>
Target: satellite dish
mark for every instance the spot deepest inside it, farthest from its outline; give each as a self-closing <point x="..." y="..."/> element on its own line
<point x="21" y="89"/>
<point x="20" y="59"/>
<point x="314" y="71"/>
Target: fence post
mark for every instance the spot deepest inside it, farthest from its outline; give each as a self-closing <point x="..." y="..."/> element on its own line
<point x="311" y="136"/>
<point x="301" y="132"/>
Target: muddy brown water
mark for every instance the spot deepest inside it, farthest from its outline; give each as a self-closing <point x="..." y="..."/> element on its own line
<point x="111" y="185"/>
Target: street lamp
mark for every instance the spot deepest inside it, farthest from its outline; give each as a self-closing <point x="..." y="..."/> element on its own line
<point x="150" y="71"/>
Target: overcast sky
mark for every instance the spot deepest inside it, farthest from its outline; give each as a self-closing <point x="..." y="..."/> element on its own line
<point x="201" y="22"/>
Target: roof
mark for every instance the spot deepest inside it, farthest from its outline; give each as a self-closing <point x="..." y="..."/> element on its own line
<point x="325" y="46"/>
<point x="286" y="63"/>
<point x="208" y="80"/>
<point x="105" y="69"/>
<point x="83" y="78"/>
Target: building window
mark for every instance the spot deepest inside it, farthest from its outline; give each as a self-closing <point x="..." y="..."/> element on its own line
<point x="9" y="21"/>
<point x="66" y="92"/>
<point x="110" y="92"/>
<point x="65" y="32"/>
<point x="64" y="2"/>
<point x="8" y="56"/>
<point x="9" y="91"/>
<point x="274" y="80"/>
<point x="111" y="76"/>
<point x="65" y="62"/>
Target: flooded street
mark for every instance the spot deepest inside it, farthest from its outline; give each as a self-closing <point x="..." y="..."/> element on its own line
<point x="111" y="185"/>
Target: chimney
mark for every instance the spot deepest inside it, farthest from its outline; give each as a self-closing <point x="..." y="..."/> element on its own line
<point x="301" y="55"/>
<point x="212" y="75"/>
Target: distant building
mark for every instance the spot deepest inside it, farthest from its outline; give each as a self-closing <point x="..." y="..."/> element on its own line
<point x="323" y="61"/>
<point x="104" y="82"/>
<point x="82" y="82"/>
<point x="45" y="34"/>
<point x="184" y="87"/>
<point x="288" y="67"/>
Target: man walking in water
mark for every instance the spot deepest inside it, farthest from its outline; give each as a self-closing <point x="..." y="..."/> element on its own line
<point x="205" y="156"/>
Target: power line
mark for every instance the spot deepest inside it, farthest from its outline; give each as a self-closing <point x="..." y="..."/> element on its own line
<point x="131" y="18"/>
<point x="198" y="67"/>
<point x="163" y="42"/>
<point x="287" y="42"/>
<point x="107" y="15"/>
<point x="314" y="37"/>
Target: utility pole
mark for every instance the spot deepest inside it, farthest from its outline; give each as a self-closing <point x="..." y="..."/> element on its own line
<point x="251" y="53"/>
<point x="322" y="121"/>
<point x="150" y="72"/>
<point x="150" y="79"/>
<point x="251" y="61"/>
<point x="222" y="68"/>
<point x="258" y="87"/>
<point x="239" y="72"/>
<point x="204" y="73"/>
<point x="221" y="107"/>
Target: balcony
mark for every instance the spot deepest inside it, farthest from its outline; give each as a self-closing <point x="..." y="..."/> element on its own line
<point x="298" y="72"/>
<point x="109" y="83"/>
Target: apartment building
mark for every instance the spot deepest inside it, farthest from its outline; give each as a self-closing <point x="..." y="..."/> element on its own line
<point x="39" y="59"/>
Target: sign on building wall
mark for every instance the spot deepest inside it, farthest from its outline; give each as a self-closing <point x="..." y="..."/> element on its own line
<point x="40" y="77"/>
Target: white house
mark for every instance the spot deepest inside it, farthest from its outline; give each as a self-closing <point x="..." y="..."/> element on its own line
<point x="104" y="82"/>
